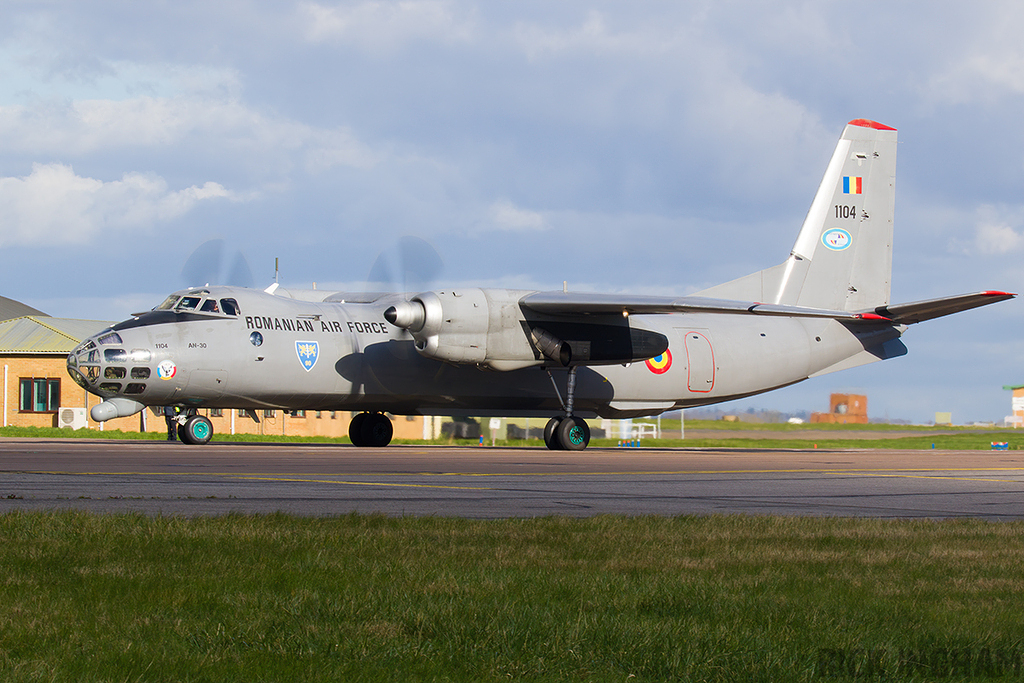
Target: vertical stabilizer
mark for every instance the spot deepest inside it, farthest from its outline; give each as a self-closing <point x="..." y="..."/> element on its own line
<point x="842" y="258"/>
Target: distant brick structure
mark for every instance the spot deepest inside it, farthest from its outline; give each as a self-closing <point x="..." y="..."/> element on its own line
<point x="844" y="409"/>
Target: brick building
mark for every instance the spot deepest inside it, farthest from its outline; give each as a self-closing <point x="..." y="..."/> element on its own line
<point x="1016" y="416"/>
<point x="844" y="409"/>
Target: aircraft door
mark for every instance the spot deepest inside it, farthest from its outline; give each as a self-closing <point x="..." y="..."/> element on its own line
<point x="700" y="360"/>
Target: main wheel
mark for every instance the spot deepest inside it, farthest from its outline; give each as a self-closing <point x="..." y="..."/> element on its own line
<point x="355" y="429"/>
<point x="573" y="434"/>
<point x="197" y="430"/>
<point x="377" y="430"/>
<point x="551" y="434"/>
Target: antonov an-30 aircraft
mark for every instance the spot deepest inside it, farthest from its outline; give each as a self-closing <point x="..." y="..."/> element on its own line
<point x="503" y="352"/>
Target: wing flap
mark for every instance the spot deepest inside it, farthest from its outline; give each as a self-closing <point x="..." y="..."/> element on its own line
<point x="586" y="303"/>
<point x="919" y="311"/>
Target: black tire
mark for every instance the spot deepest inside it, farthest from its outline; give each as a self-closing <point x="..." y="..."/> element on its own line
<point x="551" y="434"/>
<point x="198" y="430"/>
<point x="573" y="434"/>
<point x="182" y="434"/>
<point x="377" y="430"/>
<point x="355" y="429"/>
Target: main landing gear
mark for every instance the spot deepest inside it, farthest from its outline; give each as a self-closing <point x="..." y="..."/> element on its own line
<point x="370" y="429"/>
<point x="568" y="433"/>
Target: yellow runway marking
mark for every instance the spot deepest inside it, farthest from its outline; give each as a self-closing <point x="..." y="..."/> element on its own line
<point x="324" y="478"/>
<point x="364" y="483"/>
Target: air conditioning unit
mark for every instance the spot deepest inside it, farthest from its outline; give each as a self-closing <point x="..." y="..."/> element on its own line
<point x="72" y="418"/>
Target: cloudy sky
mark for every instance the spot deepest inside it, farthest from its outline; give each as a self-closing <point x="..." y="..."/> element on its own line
<point x="646" y="147"/>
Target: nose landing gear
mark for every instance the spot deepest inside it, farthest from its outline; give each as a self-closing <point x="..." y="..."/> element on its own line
<point x="193" y="429"/>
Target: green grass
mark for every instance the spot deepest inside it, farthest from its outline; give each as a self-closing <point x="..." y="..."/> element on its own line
<point x="369" y="598"/>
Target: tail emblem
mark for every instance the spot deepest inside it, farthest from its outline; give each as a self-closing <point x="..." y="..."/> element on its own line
<point x="836" y="239"/>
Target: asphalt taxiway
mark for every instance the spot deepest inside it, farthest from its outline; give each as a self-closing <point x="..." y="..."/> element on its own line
<point x="156" y="477"/>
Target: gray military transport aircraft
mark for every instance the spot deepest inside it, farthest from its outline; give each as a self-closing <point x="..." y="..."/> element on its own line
<point x="503" y="352"/>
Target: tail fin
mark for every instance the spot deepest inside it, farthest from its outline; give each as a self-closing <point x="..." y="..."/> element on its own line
<point x="842" y="259"/>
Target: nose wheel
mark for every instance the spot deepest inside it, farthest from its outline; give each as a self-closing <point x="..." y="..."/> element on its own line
<point x="197" y="430"/>
<point x="568" y="432"/>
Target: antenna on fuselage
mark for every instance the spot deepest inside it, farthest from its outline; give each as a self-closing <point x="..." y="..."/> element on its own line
<point x="276" y="271"/>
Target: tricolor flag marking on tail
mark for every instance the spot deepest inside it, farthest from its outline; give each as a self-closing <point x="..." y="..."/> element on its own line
<point x="852" y="184"/>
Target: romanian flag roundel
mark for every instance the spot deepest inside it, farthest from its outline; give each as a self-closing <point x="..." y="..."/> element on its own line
<point x="660" y="364"/>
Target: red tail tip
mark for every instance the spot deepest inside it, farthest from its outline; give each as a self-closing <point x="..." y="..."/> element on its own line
<point x="868" y="123"/>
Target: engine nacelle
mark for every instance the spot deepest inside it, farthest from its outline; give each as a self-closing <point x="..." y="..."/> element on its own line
<point x="488" y="328"/>
<point x="467" y="326"/>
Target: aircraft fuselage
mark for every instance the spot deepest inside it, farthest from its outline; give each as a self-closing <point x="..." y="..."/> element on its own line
<point x="273" y="351"/>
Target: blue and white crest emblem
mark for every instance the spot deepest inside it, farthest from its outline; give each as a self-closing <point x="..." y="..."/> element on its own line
<point x="836" y="239"/>
<point x="308" y="352"/>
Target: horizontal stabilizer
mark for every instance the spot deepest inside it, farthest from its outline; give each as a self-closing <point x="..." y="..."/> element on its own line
<point x="583" y="303"/>
<point x="919" y="311"/>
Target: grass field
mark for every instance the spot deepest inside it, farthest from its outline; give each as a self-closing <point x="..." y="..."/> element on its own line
<point x="368" y="598"/>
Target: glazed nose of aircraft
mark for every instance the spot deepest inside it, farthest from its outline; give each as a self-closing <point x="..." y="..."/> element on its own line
<point x="104" y="365"/>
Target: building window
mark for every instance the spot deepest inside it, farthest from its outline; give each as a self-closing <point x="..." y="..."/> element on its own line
<point x="319" y="414"/>
<point x="216" y="412"/>
<point x="334" y="415"/>
<point x="298" y="413"/>
<point x="39" y="395"/>
<point x="269" y="414"/>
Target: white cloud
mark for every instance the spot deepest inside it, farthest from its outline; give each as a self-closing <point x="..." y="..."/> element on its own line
<point x="507" y="216"/>
<point x="386" y="26"/>
<point x="993" y="238"/>
<point x="983" y="60"/>
<point x="52" y="205"/>
<point x="593" y="35"/>
<point x="82" y="127"/>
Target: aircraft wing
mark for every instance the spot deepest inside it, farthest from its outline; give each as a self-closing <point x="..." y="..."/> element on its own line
<point x="919" y="311"/>
<point x="585" y="303"/>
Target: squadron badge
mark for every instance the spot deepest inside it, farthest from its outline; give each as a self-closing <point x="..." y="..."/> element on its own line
<point x="308" y="352"/>
<point x="166" y="370"/>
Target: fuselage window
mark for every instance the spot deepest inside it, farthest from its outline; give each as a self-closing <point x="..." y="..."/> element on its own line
<point x="187" y="303"/>
<point x="140" y="356"/>
<point x="229" y="306"/>
<point x="115" y="355"/>
<point x="168" y="303"/>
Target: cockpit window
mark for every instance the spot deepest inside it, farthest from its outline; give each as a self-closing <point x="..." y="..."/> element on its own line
<point x="168" y="303"/>
<point x="111" y="338"/>
<point x="187" y="303"/>
<point x="210" y="306"/>
<point x="230" y="306"/>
